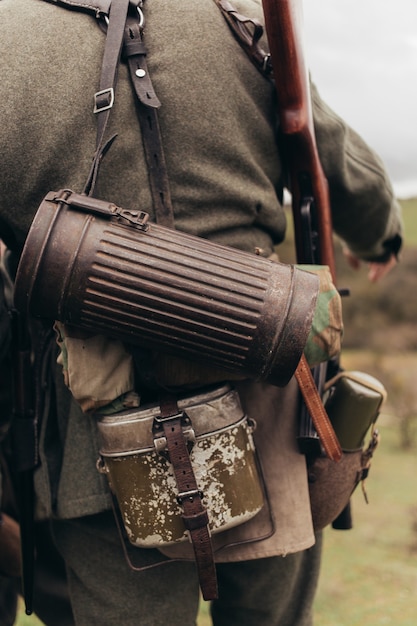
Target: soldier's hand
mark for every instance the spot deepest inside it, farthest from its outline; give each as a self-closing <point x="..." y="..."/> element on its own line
<point x="376" y="271"/>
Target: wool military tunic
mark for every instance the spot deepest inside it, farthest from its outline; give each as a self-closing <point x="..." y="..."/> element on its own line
<point x="219" y="126"/>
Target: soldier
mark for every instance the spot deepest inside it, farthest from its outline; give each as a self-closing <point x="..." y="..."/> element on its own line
<point x="218" y="125"/>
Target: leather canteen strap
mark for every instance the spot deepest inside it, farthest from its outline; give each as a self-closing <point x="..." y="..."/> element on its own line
<point x="317" y="411"/>
<point x="195" y="516"/>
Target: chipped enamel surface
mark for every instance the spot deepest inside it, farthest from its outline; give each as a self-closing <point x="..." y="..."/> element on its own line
<point x="226" y="472"/>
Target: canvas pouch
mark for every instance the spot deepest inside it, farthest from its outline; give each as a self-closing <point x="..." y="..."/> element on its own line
<point x="97" y="370"/>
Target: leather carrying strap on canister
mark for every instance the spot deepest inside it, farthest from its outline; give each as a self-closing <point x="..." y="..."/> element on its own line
<point x="104" y="98"/>
<point x="126" y="27"/>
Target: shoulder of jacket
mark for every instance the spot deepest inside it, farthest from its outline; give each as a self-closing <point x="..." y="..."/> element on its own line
<point x="97" y="7"/>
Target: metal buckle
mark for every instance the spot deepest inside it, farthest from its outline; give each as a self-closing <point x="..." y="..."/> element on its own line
<point x="267" y="65"/>
<point x="141" y="16"/>
<point x="110" y="92"/>
<point x="140" y="13"/>
<point x="136" y="218"/>
<point x="189" y="495"/>
<point x="159" y="419"/>
<point x="160" y="441"/>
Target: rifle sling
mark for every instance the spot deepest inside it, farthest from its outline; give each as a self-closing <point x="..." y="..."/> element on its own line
<point x="317" y="411"/>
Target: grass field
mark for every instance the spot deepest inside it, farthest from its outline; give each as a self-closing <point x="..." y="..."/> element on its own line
<point x="369" y="573"/>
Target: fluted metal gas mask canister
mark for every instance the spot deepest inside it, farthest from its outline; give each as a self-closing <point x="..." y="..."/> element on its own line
<point x="96" y="266"/>
<point x="140" y="475"/>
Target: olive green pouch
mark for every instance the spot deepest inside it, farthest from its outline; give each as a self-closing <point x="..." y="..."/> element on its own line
<point x="353" y="401"/>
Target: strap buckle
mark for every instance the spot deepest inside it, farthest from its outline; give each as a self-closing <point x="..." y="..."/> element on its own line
<point x="160" y="441"/>
<point x="104" y="103"/>
<point x="189" y="495"/>
<point x="140" y="14"/>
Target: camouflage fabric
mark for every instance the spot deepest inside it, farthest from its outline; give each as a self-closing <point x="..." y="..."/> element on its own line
<point x="325" y="338"/>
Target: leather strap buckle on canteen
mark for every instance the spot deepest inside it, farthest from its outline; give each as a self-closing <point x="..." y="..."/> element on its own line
<point x="195" y="516"/>
<point x="160" y="441"/>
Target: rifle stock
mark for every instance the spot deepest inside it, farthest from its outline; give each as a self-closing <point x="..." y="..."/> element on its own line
<point x="307" y="182"/>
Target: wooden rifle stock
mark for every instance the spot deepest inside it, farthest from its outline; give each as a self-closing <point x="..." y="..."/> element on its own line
<point x="309" y="190"/>
<point x="307" y="182"/>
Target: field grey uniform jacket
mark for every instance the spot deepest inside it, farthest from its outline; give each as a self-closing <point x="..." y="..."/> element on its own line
<point x="217" y="120"/>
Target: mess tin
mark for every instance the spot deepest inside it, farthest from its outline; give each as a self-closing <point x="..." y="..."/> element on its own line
<point x="140" y="475"/>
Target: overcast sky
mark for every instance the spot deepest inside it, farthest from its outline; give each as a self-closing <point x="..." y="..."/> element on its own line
<point x="363" y="57"/>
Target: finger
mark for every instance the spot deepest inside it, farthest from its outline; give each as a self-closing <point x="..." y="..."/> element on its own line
<point x="377" y="271"/>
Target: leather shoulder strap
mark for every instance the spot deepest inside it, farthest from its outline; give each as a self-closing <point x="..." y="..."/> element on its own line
<point x="248" y="32"/>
